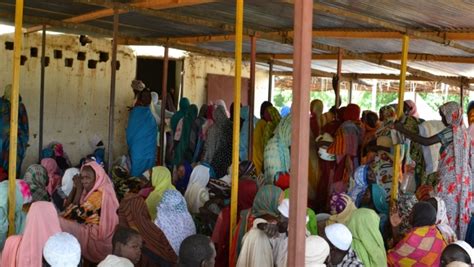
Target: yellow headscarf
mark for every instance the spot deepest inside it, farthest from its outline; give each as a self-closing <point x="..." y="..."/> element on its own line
<point x="161" y="181"/>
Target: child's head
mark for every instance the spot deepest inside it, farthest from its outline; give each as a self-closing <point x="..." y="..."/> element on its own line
<point x="460" y="252"/>
<point x="197" y="251"/>
<point x="127" y="243"/>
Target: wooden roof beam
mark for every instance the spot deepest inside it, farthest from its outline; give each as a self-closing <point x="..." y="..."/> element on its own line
<point x="385" y="56"/>
<point x="332" y="33"/>
<point x="94" y="15"/>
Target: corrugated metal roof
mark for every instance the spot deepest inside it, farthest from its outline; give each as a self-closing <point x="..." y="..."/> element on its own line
<point x="266" y="15"/>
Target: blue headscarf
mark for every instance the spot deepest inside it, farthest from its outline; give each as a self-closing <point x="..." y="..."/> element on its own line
<point x="182" y="184"/>
<point x="360" y="179"/>
<point x="285" y="111"/>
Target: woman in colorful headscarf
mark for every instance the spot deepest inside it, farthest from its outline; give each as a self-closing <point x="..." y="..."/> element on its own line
<point x="315" y="123"/>
<point x="141" y="136"/>
<point x="277" y="151"/>
<point x="271" y="125"/>
<point x="423" y="245"/>
<point x="182" y="149"/>
<point x="367" y="240"/>
<point x="455" y="185"/>
<point x="346" y="144"/>
<point x="53" y="173"/>
<point x="133" y="213"/>
<point x="412" y="124"/>
<point x="388" y="116"/>
<point x="161" y="181"/>
<point x="173" y="219"/>
<point x="19" y="215"/>
<point x="264" y="206"/>
<point x="196" y="142"/>
<point x="37" y="178"/>
<point x="92" y="215"/>
<point x="23" y="131"/>
<point x="258" y="147"/>
<point x="247" y="191"/>
<point x="219" y="143"/>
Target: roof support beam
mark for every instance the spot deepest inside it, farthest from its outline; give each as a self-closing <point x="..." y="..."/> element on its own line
<point x="386" y="56"/>
<point x="155" y="4"/>
<point x="333" y="33"/>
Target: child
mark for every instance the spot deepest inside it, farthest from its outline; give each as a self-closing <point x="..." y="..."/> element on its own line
<point x="127" y="249"/>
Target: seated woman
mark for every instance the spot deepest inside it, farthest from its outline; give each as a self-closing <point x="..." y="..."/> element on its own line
<point x="53" y="173"/>
<point x="91" y="213"/>
<point x="181" y="176"/>
<point x="156" y="251"/>
<point x="342" y="208"/>
<point x="442" y="220"/>
<point x="174" y="219"/>
<point x="27" y="249"/>
<point x="19" y="215"/>
<point x="37" y="178"/>
<point x="367" y="239"/>
<point x="423" y="245"/>
<point x="161" y="181"/>
<point x="197" y="193"/>
<point x="265" y="206"/>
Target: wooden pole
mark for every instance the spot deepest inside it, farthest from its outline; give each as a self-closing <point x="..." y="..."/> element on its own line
<point x="253" y="61"/>
<point x="164" y="95"/>
<point x="113" y="75"/>
<point x="239" y="23"/>
<point x="41" y="111"/>
<point x="14" y="106"/>
<point x="351" y="87"/>
<point x="303" y="24"/>
<point x="339" y="77"/>
<point x="270" y="80"/>
<point x="401" y="97"/>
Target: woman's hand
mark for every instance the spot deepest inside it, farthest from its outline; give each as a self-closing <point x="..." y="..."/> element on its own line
<point x="395" y="218"/>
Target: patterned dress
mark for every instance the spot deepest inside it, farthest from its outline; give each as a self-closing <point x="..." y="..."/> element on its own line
<point x="455" y="186"/>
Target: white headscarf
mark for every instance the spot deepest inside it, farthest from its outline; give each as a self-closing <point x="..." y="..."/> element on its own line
<point x="317" y="251"/>
<point x="173" y="219"/>
<point x="197" y="194"/>
<point x="62" y="250"/>
<point x="66" y="182"/>
<point x="256" y="248"/>
<point x="114" y="261"/>
<point x="442" y="222"/>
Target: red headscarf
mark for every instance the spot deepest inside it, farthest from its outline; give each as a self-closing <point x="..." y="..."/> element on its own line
<point x="352" y="113"/>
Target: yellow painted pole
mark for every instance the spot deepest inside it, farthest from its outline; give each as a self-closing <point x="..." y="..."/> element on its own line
<point x="15" y="96"/>
<point x="239" y="21"/>
<point x="401" y="97"/>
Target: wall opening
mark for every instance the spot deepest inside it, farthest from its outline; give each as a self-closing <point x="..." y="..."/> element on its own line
<point x="150" y="71"/>
<point x="34" y="52"/>
<point x="92" y="64"/>
<point x="23" y="59"/>
<point x="103" y="56"/>
<point x="46" y="61"/>
<point x="81" y="56"/>
<point x="68" y="62"/>
<point x="58" y="54"/>
<point x="9" y="46"/>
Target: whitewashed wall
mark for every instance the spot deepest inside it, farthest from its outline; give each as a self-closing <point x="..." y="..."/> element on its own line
<point x="76" y="98"/>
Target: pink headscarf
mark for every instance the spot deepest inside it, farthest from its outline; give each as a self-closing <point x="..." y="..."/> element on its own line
<point x="413" y="110"/>
<point x="96" y="241"/>
<point x="27" y="249"/>
<point x="53" y="173"/>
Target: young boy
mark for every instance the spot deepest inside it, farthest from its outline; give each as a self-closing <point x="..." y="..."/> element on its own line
<point x="127" y="249"/>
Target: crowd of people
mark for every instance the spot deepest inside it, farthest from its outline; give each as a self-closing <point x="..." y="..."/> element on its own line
<point x="178" y="214"/>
